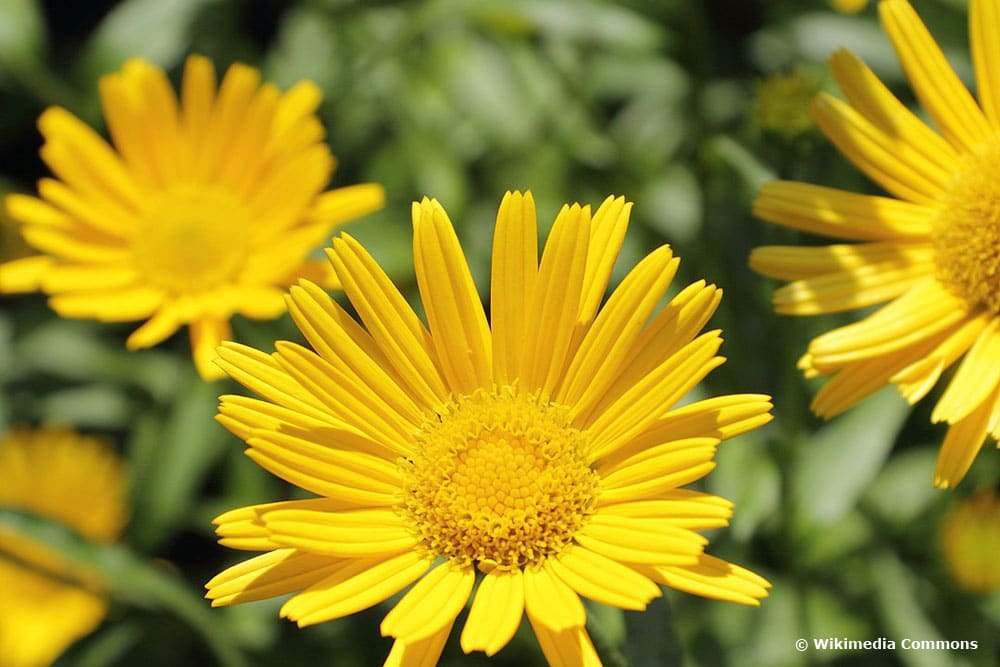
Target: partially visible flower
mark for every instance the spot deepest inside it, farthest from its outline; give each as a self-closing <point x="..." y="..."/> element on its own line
<point x="781" y="103"/>
<point x="204" y="208"/>
<point x="849" y="6"/>
<point x="932" y="250"/>
<point x="970" y="540"/>
<point x="536" y="456"/>
<point x="46" y="602"/>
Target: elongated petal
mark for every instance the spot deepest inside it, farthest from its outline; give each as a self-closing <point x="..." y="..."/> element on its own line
<point x="603" y="579"/>
<point x="916" y="380"/>
<point x="840" y="214"/>
<point x="356" y="585"/>
<point x="941" y="92"/>
<point x="458" y="325"/>
<point x="639" y="540"/>
<point x="496" y="612"/>
<point x="975" y="380"/>
<point x="570" y="647"/>
<point x="555" y="305"/>
<point x="550" y="601"/>
<point x="715" y="578"/>
<point x="420" y="653"/>
<point x="964" y="440"/>
<point x="847" y="290"/>
<point x="872" y="99"/>
<point x="24" y="274"/>
<point x="796" y="262"/>
<point x="432" y="604"/>
<point x="889" y="161"/>
<point x="984" y="25"/>
<point x="354" y="533"/>
<point x="512" y="283"/>
<point x="269" y="575"/>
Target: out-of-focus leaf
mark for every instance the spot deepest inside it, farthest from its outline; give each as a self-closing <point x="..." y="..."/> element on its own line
<point x="903" y="490"/>
<point x="155" y="30"/>
<point x="829" y="615"/>
<point x="131" y="578"/>
<point x="779" y="623"/>
<point x="22" y="34"/>
<point x="902" y="612"/>
<point x="748" y="476"/>
<point x="306" y="49"/>
<point x="601" y="23"/>
<point x="170" y="460"/>
<point x="829" y="545"/>
<point x="109" y="645"/>
<point x="606" y="626"/>
<point x="672" y="204"/>
<point x="93" y="406"/>
<point x="76" y="350"/>
<point x="650" y="637"/>
<point x="837" y="464"/>
<point x="745" y="164"/>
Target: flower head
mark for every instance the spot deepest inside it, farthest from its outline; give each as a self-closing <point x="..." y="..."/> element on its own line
<point x="48" y="602"/>
<point x="932" y="249"/>
<point x="206" y="207"/>
<point x="536" y="452"/>
<point x="970" y="540"/>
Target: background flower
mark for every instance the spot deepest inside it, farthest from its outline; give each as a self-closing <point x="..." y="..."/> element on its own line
<point x="207" y="205"/>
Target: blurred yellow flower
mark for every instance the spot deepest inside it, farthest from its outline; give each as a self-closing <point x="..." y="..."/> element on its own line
<point x="933" y="249"/>
<point x="536" y="452"/>
<point x="849" y="6"/>
<point x="970" y="540"/>
<point x="205" y="208"/>
<point x="47" y="602"/>
<point x="781" y="104"/>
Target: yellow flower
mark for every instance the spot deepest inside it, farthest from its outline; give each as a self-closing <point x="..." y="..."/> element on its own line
<point x="47" y="602"/>
<point x="205" y="208"/>
<point x="849" y="6"/>
<point x="933" y="249"/>
<point x="970" y="540"/>
<point x="538" y="448"/>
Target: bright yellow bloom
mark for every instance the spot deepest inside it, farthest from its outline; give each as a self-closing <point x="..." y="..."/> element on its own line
<point x="48" y="603"/>
<point x="205" y="208"/>
<point x="933" y="250"/>
<point x="970" y="540"/>
<point x="538" y="448"/>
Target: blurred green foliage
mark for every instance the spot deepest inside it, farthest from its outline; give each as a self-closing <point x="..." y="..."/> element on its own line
<point x="461" y="100"/>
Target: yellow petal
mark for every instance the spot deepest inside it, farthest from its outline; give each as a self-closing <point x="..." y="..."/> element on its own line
<point x="640" y="540"/>
<point x="197" y="98"/>
<point x="797" y="262"/>
<point x="431" y="605"/>
<point x="964" y="440"/>
<point x="565" y="648"/>
<point x="975" y="380"/>
<point x="939" y="89"/>
<point x="916" y="380"/>
<point x="607" y="233"/>
<point x="984" y="26"/>
<point x="496" y="612"/>
<point x="119" y="305"/>
<point x="720" y="417"/>
<point x="512" y="284"/>
<point x="421" y="653"/>
<point x="357" y="585"/>
<point x="268" y="575"/>
<point x="604" y="580"/>
<point x="872" y="99"/>
<point x="842" y="215"/>
<point x="207" y="334"/>
<point x="715" y="578"/>
<point x="458" y="325"/>
<point x="335" y="207"/>
<point x="555" y="306"/>
<point x="361" y="533"/>
<point x="25" y="274"/>
<point x="550" y="601"/>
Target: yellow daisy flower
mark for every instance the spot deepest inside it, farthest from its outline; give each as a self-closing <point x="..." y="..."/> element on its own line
<point x="933" y="249"/>
<point x="538" y="447"/>
<point x="204" y="208"/>
<point x="48" y="603"/>
<point x="970" y="541"/>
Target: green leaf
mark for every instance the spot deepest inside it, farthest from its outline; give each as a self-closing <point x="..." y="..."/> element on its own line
<point x="151" y="29"/>
<point x="838" y="463"/>
<point x="171" y="458"/>
<point x="22" y="34"/>
<point x="650" y="637"/>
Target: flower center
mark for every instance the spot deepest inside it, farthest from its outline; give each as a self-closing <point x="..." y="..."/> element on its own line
<point x="967" y="232"/>
<point x="191" y="238"/>
<point x="499" y="479"/>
